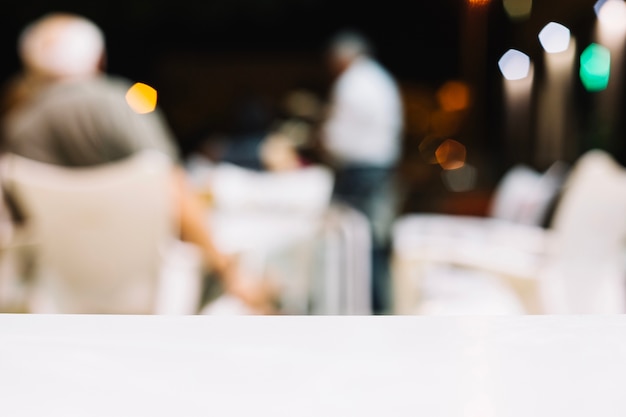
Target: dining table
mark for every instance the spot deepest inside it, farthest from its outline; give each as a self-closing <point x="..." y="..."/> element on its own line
<point x="436" y="366"/>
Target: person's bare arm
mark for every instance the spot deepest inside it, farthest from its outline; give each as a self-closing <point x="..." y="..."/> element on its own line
<point x="194" y="230"/>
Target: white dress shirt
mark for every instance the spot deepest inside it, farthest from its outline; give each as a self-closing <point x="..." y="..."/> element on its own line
<point x="366" y="117"/>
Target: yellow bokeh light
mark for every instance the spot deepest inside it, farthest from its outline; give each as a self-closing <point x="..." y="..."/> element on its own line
<point x="451" y="154"/>
<point x="518" y="9"/>
<point x="141" y="98"/>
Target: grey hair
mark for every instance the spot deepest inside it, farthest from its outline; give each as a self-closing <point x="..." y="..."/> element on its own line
<point x="61" y="45"/>
<point x="349" y="44"/>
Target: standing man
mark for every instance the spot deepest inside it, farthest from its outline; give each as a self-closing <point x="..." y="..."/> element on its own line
<point x="361" y="138"/>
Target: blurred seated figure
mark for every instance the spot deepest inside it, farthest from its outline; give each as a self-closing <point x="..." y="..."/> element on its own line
<point x="283" y="221"/>
<point x="273" y="220"/>
<point x="64" y="110"/>
<point x="290" y="142"/>
<point x="274" y="217"/>
<point x="240" y="144"/>
<point x="283" y="142"/>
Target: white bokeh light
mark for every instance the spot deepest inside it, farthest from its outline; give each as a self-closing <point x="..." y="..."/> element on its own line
<point x="554" y="37"/>
<point x="611" y="14"/>
<point x="515" y="65"/>
<point x="598" y="5"/>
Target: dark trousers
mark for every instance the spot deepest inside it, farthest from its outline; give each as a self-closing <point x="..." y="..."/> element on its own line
<point x="365" y="188"/>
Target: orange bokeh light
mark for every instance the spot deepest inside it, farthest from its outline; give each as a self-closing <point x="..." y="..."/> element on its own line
<point x="141" y="98"/>
<point x="453" y="96"/>
<point x="478" y="2"/>
<point x="451" y="154"/>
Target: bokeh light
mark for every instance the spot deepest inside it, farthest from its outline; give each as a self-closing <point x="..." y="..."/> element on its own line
<point x="612" y="14"/>
<point x="419" y="103"/>
<point x="554" y="37"/>
<point x="514" y="65"/>
<point x="595" y="67"/>
<point x="453" y="96"/>
<point x="460" y="180"/>
<point x="445" y="124"/>
<point x="141" y="98"/>
<point x="598" y="5"/>
<point x="518" y="9"/>
<point x="451" y="154"/>
<point x="478" y="3"/>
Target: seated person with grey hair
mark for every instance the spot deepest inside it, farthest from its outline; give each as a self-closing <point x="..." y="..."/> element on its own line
<point x="63" y="109"/>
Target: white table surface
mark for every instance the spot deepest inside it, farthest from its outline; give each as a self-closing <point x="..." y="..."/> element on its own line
<point x="312" y="366"/>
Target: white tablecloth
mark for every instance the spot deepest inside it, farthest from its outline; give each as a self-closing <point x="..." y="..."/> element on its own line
<point x="312" y="366"/>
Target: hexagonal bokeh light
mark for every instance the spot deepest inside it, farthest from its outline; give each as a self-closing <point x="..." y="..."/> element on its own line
<point x="595" y="67"/>
<point x="518" y="9"/>
<point x="554" y="37"/>
<point x="451" y="154"/>
<point x="514" y="65"/>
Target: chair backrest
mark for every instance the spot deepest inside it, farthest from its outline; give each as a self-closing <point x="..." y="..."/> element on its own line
<point x="524" y="195"/>
<point x="586" y="270"/>
<point x="306" y="190"/>
<point x="101" y="231"/>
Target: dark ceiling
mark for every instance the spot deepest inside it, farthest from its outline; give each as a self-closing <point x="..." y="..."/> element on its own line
<point x="418" y="40"/>
<point x="179" y="45"/>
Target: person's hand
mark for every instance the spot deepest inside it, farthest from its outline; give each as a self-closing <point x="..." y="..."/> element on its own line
<point x="257" y="295"/>
<point x="256" y="292"/>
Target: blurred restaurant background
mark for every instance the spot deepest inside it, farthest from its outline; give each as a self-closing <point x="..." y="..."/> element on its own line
<point x="222" y="69"/>
<point x="208" y="59"/>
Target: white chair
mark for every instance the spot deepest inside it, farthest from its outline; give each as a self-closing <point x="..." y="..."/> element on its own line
<point x="269" y="219"/>
<point x="575" y="266"/>
<point x="303" y="191"/>
<point x="430" y="247"/>
<point x="437" y="264"/>
<point x="284" y="226"/>
<point x="105" y="237"/>
<point x="524" y="195"/>
<point x="341" y="269"/>
<point x="584" y="269"/>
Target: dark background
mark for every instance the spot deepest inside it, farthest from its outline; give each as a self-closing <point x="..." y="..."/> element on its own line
<point x="206" y="58"/>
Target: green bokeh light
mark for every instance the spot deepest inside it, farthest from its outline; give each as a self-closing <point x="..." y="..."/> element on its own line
<point x="595" y="67"/>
